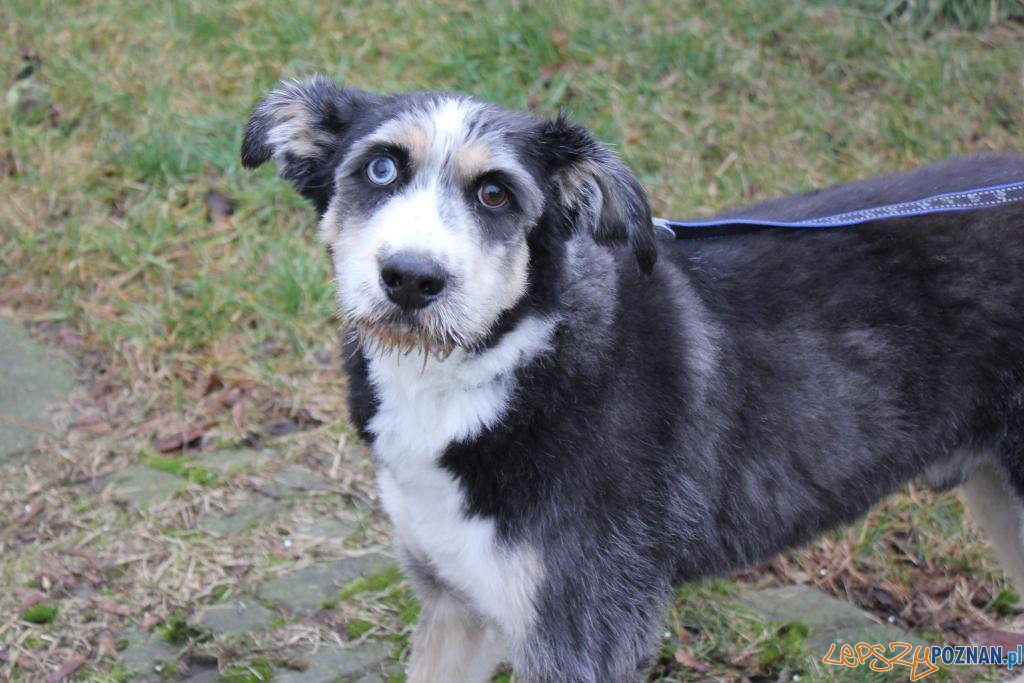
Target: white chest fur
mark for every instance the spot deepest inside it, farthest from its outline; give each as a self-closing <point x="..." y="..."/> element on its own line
<point x="421" y="410"/>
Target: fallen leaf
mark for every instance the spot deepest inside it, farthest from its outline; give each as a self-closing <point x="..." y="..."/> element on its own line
<point x="8" y="165"/>
<point x="936" y="587"/>
<point x="232" y="397"/>
<point x="149" y="620"/>
<point x="1005" y="639"/>
<point x="282" y="427"/>
<point x="882" y="597"/>
<point x="181" y="440"/>
<point x="667" y="81"/>
<point x="69" y="667"/>
<point x="70" y="337"/>
<point x="691" y="662"/>
<point x="111" y="606"/>
<point x="92" y="424"/>
<point x="241" y="569"/>
<point x="238" y="415"/>
<point x="30" y="55"/>
<point x="213" y="383"/>
<point x="31" y="511"/>
<point x="106" y="645"/>
<point x="30" y="62"/>
<point x="297" y="664"/>
<point x="559" y="38"/>
<point x="29" y="598"/>
<point x="218" y="207"/>
<point x="107" y="492"/>
<point x="86" y="554"/>
<point x="148" y="426"/>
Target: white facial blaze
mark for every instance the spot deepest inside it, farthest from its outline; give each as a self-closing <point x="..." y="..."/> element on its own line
<point x="410" y="222"/>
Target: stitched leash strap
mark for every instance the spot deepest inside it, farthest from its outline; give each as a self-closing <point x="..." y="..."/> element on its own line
<point x="963" y="200"/>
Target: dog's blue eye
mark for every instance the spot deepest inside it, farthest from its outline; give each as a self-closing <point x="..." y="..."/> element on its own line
<point x="382" y="170"/>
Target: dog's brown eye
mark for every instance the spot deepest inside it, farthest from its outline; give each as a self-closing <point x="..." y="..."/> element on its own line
<point x="492" y="195"/>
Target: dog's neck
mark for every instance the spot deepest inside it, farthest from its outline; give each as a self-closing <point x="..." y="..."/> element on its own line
<point x="440" y="400"/>
<point x="425" y="405"/>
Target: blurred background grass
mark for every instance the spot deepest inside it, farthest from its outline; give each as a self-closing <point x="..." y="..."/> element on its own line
<point x="127" y="219"/>
<point x="710" y="104"/>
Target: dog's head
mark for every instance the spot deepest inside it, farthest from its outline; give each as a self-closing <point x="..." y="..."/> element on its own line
<point x="430" y="203"/>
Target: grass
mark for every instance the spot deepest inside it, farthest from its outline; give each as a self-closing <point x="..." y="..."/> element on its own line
<point x="42" y="613"/>
<point x="192" y="292"/>
<point x="181" y="467"/>
<point x="258" y="670"/>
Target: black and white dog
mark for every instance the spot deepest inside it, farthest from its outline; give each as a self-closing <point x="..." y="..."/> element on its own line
<point x="565" y="427"/>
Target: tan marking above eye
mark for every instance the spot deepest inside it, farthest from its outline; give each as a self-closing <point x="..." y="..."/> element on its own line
<point x="414" y="140"/>
<point x="472" y="160"/>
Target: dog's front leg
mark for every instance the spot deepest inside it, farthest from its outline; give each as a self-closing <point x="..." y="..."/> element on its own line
<point x="450" y="643"/>
<point x="589" y="630"/>
<point x="553" y="660"/>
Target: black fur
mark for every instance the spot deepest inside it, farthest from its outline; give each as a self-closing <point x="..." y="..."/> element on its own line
<point x="613" y="205"/>
<point x="745" y="395"/>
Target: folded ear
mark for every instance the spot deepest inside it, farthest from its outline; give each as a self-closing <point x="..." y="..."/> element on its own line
<point x="302" y="125"/>
<point x="598" y="193"/>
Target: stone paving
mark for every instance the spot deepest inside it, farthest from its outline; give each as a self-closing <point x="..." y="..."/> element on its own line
<point x="827" y="619"/>
<point x="304" y="591"/>
<point x="33" y="377"/>
<point x="140" y="487"/>
<point x="234" y="617"/>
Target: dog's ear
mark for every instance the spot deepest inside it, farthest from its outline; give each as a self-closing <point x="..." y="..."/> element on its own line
<point x="597" y="192"/>
<point x="301" y="125"/>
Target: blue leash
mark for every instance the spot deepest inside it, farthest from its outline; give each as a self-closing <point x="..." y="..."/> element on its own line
<point x="963" y="200"/>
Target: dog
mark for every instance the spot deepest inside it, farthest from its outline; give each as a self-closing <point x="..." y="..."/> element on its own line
<point x="570" y="415"/>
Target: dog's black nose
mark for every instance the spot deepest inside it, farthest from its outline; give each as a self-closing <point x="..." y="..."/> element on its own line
<point x="411" y="280"/>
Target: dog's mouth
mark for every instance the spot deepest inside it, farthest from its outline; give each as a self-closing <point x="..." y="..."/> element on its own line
<point x="404" y="337"/>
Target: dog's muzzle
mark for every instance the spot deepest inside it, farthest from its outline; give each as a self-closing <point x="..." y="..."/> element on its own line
<point x="412" y="281"/>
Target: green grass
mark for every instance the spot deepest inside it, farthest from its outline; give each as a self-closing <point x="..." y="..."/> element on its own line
<point x="357" y="628"/>
<point x="178" y="631"/>
<point x="43" y="613"/>
<point x="181" y="467"/>
<point x="257" y="670"/>
<point x="373" y="583"/>
<point x="106" y="229"/>
<point x="711" y="105"/>
<point x="116" y="674"/>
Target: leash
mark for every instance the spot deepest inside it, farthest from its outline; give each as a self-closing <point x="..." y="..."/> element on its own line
<point x="962" y="200"/>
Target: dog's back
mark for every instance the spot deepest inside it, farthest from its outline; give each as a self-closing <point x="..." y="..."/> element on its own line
<point x="952" y="175"/>
<point x="855" y="358"/>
